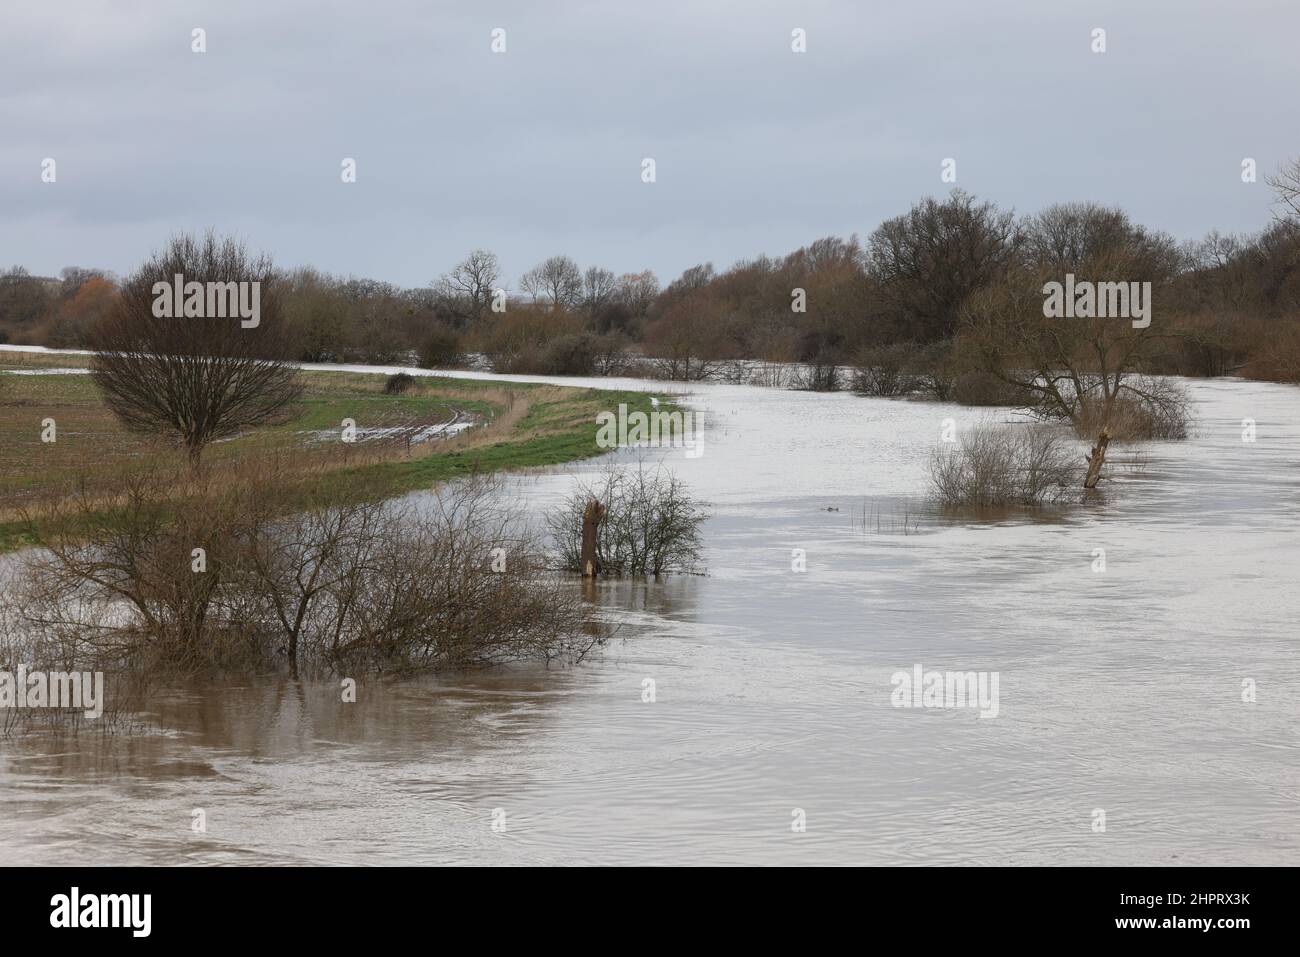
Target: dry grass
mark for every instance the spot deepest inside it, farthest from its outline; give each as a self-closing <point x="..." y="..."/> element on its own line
<point x="10" y="360"/>
<point x="518" y="426"/>
<point x="91" y="444"/>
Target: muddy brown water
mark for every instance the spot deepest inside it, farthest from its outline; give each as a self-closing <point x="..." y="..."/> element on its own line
<point x="1119" y="691"/>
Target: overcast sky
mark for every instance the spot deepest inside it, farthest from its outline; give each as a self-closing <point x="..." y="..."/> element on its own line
<point x="538" y="150"/>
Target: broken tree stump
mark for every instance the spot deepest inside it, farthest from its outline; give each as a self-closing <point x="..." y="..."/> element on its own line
<point x="1096" y="460"/>
<point x="591" y="519"/>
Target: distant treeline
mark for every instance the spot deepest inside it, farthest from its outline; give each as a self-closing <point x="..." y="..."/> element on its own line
<point x="897" y="302"/>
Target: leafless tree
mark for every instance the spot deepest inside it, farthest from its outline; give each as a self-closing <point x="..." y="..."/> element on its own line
<point x="557" y="280"/>
<point x="1066" y="234"/>
<point x="1286" y="184"/>
<point x="354" y="586"/>
<point x="467" y="290"/>
<point x="650" y="524"/>
<point x="929" y="260"/>
<point x="1070" y="236"/>
<point x="1085" y="371"/>
<point x="598" y="289"/>
<point x="194" y="378"/>
<point x="637" y="290"/>
<point x="694" y="277"/>
<point x="1216" y="250"/>
<point x="994" y="466"/>
<point x="24" y="299"/>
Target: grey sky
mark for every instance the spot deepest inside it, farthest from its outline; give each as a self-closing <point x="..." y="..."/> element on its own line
<point x="538" y="150"/>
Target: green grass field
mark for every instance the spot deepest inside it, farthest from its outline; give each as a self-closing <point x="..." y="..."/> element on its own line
<point x="518" y="426"/>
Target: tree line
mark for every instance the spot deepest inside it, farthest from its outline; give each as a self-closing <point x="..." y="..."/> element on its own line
<point x="919" y="304"/>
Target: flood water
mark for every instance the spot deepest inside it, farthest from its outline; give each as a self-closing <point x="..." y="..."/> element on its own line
<point x="1120" y="690"/>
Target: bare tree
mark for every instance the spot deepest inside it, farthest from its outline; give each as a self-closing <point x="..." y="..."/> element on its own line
<point x="466" y="291"/>
<point x="629" y="522"/>
<point x="557" y="280"/>
<point x="1000" y="465"/>
<point x="683" y="343"/>
<point x="1085" y="371"/>
<point x="930" y="259"/>
<point x="598" y="289"/>
<point x="1069" y="236"/>
<point x="355" y="586"/>
<point x="829" y="252"/>
<point x="637" y="291"/>
<point x="24" y="300"/>
<point x="1216" y="250"/>
<point x="200" y="377"/>
<point x="1286" y="184"/>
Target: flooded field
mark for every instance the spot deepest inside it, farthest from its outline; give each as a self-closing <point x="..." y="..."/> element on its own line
<point x="1119" y="690"/>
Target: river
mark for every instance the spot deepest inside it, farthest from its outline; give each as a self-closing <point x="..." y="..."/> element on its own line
<point x="1120" y="691"/>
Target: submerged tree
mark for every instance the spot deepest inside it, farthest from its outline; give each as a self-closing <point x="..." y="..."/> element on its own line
<point x="1087" y="370"/>
<point x="1071" y="325"/>
<point x="203" y="368"/>
<point x="643" y="522"/>
<point x="349" y="585"/>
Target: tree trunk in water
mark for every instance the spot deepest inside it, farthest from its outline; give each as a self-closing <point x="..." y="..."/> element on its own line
<point x="591" y="518"/>
<point x="1096" y="460"/>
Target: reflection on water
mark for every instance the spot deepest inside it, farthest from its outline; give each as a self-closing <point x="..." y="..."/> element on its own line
<point x="1120" y="690"/>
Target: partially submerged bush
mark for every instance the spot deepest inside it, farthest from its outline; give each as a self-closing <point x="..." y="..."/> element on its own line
<point x="772" y="374"/>
<point x="817" y="376"/>
<point x="441" y="348"/>
<point x="999" y="466"/>
<point x="651" y="524"/>
<point x="242" y="581"/>
<point x="1277" y="358"/>
<point x="1132" y="407"/>
<point x="569" y="355"/>
<point x="936" y="368"/>
<point x="886" y="370"/>
<point x="682" y="368"/>
<point x="612" y="356"/>
<point x="977" y="387"/>
<point x="1146" y="407"/>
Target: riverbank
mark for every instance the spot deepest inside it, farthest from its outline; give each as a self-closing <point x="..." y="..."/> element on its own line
<point x="58" y="439"/>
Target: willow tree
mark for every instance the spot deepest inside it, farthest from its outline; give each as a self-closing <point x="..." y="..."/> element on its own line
<point x="1086" y="370"/>
<point x="1070" y="322"/>
<point x="195" y="348"/>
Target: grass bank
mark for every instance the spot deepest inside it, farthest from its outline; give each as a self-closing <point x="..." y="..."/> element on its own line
<point x="504" y="426"/>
